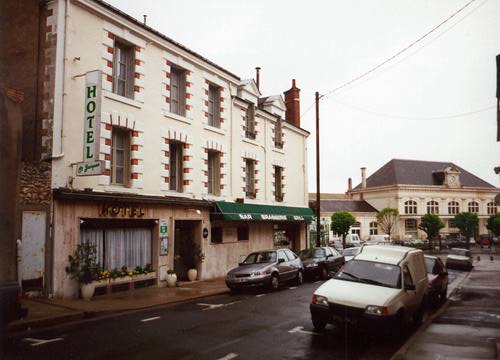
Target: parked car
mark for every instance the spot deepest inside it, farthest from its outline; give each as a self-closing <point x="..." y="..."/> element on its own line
<point x="321" y="261"/>
<point x="337" y="244"/>
<point x="379" y="238"/>
<point x="459" y="258"/>
<point x="485" y="240"/>
<point x="353" y="240"/>
<point x="383" y="287"/>
<point x="437" y="277"/>
<point x="266" y="268"/>
<point x="10" y="307"/>
<point x="351" y="252"/>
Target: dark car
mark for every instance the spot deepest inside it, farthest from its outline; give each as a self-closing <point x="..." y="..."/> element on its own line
<point x="321" y="261"/>
<point x="266" y="268"/>
<point x="437" y="277"/>
<point x="459" y="258"/>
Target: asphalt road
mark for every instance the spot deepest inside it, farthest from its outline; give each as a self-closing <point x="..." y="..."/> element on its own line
<point x="250" y="325"/>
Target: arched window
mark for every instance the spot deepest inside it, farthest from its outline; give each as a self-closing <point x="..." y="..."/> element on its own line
<point x="473" y="207"/>
<point x="453" y="208"/>
<point x="492" y="208"/>
<point x="432" y="207"/>
<point x="410" y="207"/>
<point x="373" y="228"/>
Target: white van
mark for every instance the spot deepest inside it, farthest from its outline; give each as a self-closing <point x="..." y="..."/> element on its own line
<point x="353" y="240"/>
<point x="381" y="287"/>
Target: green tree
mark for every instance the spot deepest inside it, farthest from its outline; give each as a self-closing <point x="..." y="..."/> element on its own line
<point x="341" y="223"/>
<point x="467" y="223"/>
<point x="387" y="219"/>
<point x="431" y="224"/>
<point x="493" y="224"/>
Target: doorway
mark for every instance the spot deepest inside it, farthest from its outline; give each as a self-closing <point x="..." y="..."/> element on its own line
<point x="187" y="234"/>
<point x="32" y="265"/>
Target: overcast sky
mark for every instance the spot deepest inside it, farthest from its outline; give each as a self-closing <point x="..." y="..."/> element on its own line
<point x="435" y="101"/>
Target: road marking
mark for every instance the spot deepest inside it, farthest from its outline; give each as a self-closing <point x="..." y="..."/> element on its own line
<point x="292" y="287"/>
<point x="38" y="342"/>
<point x="150" y="319"/>
<point x="216" y="306"/>
<point x="229" y="356"/>
<point x="300" y="329"/>
<point x="260" y="295"/>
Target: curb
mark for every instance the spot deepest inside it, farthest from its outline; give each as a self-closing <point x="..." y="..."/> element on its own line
<point x="17" y="330"/>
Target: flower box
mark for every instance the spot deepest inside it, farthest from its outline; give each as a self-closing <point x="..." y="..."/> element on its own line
<point x="104" y="282"/>
<point x="151" y="275"/>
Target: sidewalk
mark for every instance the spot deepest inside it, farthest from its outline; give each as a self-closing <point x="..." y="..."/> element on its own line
<point x="47" y="312"/>
<point x="468" y="326"/>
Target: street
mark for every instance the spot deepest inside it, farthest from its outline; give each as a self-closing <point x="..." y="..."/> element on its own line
<point x="248" y="325"/>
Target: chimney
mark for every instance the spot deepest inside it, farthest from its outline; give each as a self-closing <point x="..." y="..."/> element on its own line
<point x="349" y="188"/>
<point x="292" y="102"/>
<point x="145" y="17"/>
<point x="257" y="77"/>
<point x="363" y="178"/>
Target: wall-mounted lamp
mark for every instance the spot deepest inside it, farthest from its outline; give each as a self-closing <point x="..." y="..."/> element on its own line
<point x="196" y="211"/>
<point x="82" y="221"/>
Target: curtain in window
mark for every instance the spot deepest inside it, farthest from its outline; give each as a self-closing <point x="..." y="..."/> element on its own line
<point x="129" y="247"/>
<point x="94" y="236"/>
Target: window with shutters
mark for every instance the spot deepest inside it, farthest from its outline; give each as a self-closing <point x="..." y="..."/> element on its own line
<point x="214" y="106"/>
<point x="123" y="69"/>
<point x="120" y="156"/>
<point x="177" y="91"/>
<point x="250" y="123"/>
<point x="278" y="134"/>
<point x="175" y="166"/>
<point x="214" y="172"/>
<point x="250" y="178"/>
<point x="278" y="183"/>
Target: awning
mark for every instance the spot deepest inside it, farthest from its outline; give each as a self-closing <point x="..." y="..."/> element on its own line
<point x="231" y="211"/>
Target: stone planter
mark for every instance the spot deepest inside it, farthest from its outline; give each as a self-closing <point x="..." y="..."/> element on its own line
<point x="192" y="274"/>
<point x="171" y="280"/>
<point x="87" y="291"/>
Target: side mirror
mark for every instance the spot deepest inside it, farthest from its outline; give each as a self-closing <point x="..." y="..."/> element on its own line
<point x="410" y="287"/>
<point x="281" y="260"/>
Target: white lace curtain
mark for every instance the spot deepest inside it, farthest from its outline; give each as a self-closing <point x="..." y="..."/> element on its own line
<point x="118" y="247"/>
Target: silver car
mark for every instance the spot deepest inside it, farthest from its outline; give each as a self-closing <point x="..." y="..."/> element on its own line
<point x="266" y="268"/>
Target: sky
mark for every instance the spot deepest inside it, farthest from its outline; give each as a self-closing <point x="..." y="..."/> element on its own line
<point x="434" y="101"/>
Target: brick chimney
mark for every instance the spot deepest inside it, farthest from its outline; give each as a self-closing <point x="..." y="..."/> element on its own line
<point x="349" y="188"/>
<point x="292" y="102"/>
<point x="363" y="182"/>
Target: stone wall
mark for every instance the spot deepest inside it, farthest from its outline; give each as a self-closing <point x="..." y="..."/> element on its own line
<point x="34" y="187"/>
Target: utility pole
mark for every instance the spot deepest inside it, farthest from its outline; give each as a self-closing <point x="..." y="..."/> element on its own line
<point x="318" y="225"/>
<point x="498" y="97"/>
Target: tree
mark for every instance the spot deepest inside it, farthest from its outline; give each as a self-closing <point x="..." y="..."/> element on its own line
<point x="431" y="224"/>
<point x="467" y="223"/>
<point x="493" y="224"/>
<point x="387" y="219"/>
<point x="341" y="223"/>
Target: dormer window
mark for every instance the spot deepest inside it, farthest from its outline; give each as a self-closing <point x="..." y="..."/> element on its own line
<point x="250" y="123"/>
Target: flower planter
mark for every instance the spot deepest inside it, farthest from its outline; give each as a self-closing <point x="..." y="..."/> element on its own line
<point x="147" y="276"/>
<point x="87" y="291"/>
<point x="171" y="280"/>
<point x="192" y="274"/>
<point x="121" y="280"/>
<point x="100" y="283"/>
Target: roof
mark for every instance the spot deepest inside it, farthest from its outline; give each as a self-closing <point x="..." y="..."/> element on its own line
<point x="164" y="37"/>
<point x="312" y="196"/>
<point x="384" y="253"/>
<point x="336" y="205"/>
<point x="418" y="172"/>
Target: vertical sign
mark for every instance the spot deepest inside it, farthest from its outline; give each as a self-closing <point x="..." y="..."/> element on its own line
<point x="163" y="229"/>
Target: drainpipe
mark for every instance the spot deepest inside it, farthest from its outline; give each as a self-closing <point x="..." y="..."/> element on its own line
<point x="230" y="157"/>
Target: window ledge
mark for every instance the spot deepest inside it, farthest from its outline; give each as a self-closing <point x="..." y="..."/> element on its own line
<point x="215" y="129"/>
<point x="178" y="194"/>
<point x="180" y="118"/>
<point x="279" y="151"/>
<point x="250" y="141"/>
<point x="123" y="99"/>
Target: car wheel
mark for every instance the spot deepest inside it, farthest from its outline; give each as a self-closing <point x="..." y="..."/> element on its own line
<point x="300" y="278"/>
<point x="319" y="325"/>
<point x="275" y="282"/>
<point x="324" y="273"/>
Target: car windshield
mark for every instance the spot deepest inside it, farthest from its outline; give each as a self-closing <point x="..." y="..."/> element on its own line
<point x="371" y="273"/>
<point x="429" y="265"/>
<point x="461" y="252"/>
<point x="311" y="253"/>
<point x="350" y="252"/>
<point x="260" y="257"/>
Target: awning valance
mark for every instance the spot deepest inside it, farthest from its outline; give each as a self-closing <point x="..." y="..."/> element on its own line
<point x="231" y="211"/>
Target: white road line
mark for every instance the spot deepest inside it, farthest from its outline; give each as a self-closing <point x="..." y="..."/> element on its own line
<point x="260" y="295"/>
<point x="229" y="356"/>
<point x="292" y="287"/>
<point x="38" y="342"/>
<point x="300" y="329"/>
<point x="216" y="306"/>
<point x="150" y="319"/>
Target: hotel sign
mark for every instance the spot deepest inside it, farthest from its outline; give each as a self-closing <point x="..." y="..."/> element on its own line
<point x="120" y="210"/>
<point x="91" y="164"/>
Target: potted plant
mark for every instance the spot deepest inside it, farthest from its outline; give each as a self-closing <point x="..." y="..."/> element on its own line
<point x="196" y="257"/>
<point x="84" y="267"/>
<point x="171" y="278"/>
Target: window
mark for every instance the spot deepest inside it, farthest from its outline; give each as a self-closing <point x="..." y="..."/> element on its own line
<point x="473" y="207"/>
<point x="278" y="133"/>
<point x="216" y="234"/>
<point x="177" y="91"/>
<point x="432" y="207"/>
<point x="453" y="208"/>
<point x="123" y="69"/>
<point x="407" y="277"/>
<point x="250" y="178"/>
<point x="213" y="106"/>
<point x="243" y="232"/>
<point x="373" y="228"/>
<point x="410" y="207"/>
<point x="291" y="256"/>
<point x="175" y="166"/>
<point x="491" y="208"/>
<point x="410" y="224"/>
<point x="250" y="122"/>
<point x="282" y="255"/>
<point x="356" y="228"/>
<point x="120" y="156"/>
<point x="278" y="183"/>
<point x="213" y="172"/>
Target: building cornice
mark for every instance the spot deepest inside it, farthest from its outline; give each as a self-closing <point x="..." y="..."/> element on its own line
<point x="429" y="188"/>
